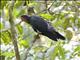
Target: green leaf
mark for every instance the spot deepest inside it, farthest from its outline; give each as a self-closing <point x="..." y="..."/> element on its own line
<point x="40" y="48"/>
<point x="77" y="49"/>
<point x="8" y="54"/>
<point x="57" y="23"/>
<point x="24" y="43"/>
<point x="46" y="16"/>
<point x="1" y="26"/>
<point x="22" y="11"/>
<point x="18" y="4"/>
<point x="62" y="53"/>
<point x="66" y="23"/>
<point x="6" y="37"/>
<point x="32" y="3"/>
<point x="16" y="12"/>
<point x="3" y="3"/>
<point x="54" y="53"/>
<point x="20" y="30"/>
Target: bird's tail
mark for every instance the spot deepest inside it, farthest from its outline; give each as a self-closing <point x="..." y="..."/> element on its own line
<point x="54" y="36"/>
<point x="59" y="36"/>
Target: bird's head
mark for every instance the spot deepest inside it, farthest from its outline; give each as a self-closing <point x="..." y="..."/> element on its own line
<point x="25" y="18"/>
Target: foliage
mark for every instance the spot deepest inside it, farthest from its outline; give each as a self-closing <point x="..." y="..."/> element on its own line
<point x="63" y="15"/>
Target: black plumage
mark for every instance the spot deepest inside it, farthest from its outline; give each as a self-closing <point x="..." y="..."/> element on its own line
<point x="42" y="26"/>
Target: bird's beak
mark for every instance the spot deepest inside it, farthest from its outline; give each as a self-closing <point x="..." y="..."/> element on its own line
<point x="22" y="19"/>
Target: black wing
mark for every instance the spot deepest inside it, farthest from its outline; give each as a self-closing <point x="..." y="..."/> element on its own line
<point x="38" y="24"/>
<point x="54" y="33"/>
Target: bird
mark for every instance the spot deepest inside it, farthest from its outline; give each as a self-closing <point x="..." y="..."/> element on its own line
<point x="42" y="26"/>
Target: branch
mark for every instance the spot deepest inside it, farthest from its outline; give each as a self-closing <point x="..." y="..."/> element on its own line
<point x="45" y="1"/>
<point x="27" y="51"/>
<point x="13" y="31"/>
<point x="44" y="9"/>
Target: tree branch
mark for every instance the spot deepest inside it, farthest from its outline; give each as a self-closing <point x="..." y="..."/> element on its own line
<point x="27" y="51"/>
<point x="13" y="31"/>
<point x="45" y="1"/>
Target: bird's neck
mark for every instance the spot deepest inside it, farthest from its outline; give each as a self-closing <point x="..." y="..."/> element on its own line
<point x="28" y="20"/>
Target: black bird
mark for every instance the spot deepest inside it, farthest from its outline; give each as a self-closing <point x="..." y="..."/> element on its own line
<point x="42" y="26"/>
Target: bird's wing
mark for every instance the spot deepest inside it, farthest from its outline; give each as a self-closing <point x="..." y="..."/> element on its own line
<point x="38" y="23"/>
<point x="51" y="28"/>
<point x="54" y="32"/>
<point x="34" y="29"/>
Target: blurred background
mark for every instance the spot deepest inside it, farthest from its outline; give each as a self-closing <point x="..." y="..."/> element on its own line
<point x="16" y="38"/>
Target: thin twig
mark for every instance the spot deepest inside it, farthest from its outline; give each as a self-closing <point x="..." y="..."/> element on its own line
<point x="27" y="51"/>
<point x="45" y="1"/>
<point x="44" y="10"/>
